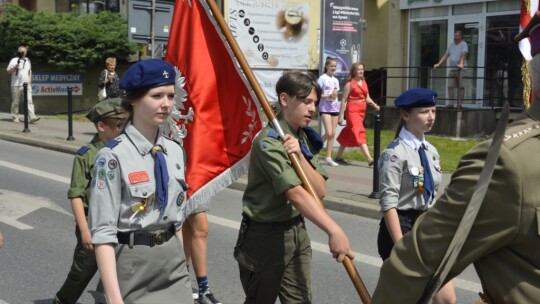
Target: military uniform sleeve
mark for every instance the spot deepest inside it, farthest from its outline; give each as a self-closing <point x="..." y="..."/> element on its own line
<point x="79" y="178"/>
<point x="390" y="171"/>
<point x="105" y="198"/>
<point x="272" y="160"/>
<point x="418" y="254"/>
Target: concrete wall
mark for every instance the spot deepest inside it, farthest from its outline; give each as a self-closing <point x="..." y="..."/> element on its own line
<point x="52" y="105"/>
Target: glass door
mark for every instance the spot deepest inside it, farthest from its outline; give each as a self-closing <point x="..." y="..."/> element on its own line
<point x="473" y="72"/>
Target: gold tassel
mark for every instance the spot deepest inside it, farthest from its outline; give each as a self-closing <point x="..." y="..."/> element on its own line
<point x="525" y="77"/>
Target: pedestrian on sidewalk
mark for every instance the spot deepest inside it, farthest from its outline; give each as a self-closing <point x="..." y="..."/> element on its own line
<point x="273" y="248"/>
<point x="109" y="119"/>
<point x="20" y="69"/>
<point x="409" y="175"/>
<point x="138" y="195"/>
<point x="109" y="79"/>
<point x="354" y="105"/>
<point x="329" y="107"/>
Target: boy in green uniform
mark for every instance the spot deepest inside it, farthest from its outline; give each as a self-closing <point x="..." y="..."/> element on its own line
<point x="273" y="248"/>
<point x="109" y="119"/>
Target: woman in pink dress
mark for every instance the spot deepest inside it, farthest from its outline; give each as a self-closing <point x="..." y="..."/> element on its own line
<point x="354" y="102"/>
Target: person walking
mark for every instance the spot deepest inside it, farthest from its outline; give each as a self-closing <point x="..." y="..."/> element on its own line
<point x="195" y="240"/>
<point x="137" y="202"/>
<point x="20" y="69"/>
<point x="329" y="107"/>
<point x="109" y="79"/>
<point x="456" y="55"/>
<point x="273" y="248"/>
<point x="354" y="104"/>
<point x="409" y="175"/>
<point x="109" y="119"/>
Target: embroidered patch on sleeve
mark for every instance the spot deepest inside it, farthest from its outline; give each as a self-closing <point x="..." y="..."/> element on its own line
<point x="101" y="162"/>
<point x="112" y="164"/>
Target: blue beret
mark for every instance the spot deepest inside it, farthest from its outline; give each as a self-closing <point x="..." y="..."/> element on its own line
<point x="416" y="98"/>
<point x="147" y="74"/>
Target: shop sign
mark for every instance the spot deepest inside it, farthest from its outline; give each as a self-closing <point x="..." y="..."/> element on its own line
<point x="56" y="84"/>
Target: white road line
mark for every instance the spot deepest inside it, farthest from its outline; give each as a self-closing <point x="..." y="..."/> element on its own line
<point x="32" y="171"/>
<point x="359" y="258"/>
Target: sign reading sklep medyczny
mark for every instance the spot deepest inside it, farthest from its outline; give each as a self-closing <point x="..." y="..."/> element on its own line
<point x="54" y="83"/>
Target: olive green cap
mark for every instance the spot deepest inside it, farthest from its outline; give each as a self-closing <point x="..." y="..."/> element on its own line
<point x="105" y="108"/>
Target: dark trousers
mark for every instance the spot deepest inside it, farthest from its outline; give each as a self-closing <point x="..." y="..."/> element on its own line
<point x="82" y="271"/>
<point x="407" y="218"/>
<point x="274" y="261"/>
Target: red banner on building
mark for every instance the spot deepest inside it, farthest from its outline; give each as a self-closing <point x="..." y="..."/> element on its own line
<point x="226" y="116"/>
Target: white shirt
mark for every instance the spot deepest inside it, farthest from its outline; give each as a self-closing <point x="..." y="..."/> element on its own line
<point x="23" y="75"/>
<point x="454" y="52"/>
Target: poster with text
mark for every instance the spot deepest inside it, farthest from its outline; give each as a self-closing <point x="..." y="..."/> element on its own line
<point x="342" y="33"/>
<point x="271" y="34"/>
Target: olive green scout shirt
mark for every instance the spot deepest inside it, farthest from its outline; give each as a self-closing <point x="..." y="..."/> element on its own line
<point x="82" y="172"/>
<point x="270" y="175"/>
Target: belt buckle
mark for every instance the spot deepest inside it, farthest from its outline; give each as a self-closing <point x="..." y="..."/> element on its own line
<point x="159" y="238"/>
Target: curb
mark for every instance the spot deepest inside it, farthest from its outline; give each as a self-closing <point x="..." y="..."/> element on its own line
<point x="40" y="142"/>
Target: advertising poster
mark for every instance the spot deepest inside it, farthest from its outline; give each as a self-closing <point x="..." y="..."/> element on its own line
<point x="341" y="33"/>
<point x="271" y="34"/>
<point x="55" y="84"/>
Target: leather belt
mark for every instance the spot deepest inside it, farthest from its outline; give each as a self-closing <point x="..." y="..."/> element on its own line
<point x="151" y="238"/>
<point x="281" y="225"/>
<point x="356" y="99"/>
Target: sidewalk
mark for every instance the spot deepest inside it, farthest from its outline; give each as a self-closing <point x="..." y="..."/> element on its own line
<point x="348" y="187"/>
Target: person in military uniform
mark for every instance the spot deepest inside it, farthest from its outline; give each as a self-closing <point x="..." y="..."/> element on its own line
<point x="409" y="175"/>
<point x="109" y="119"/>
<point x="504" y="242"/>
<point x="273" y="248"/>
<point x="138" y="197"/>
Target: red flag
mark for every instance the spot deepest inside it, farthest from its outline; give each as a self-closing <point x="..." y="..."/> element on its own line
<point x="226" y="116"/>
<point x="528" y="8"/>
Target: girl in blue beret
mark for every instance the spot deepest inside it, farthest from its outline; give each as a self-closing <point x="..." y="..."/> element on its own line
<point x="138" y="197"/>
<point x="409" y="175"/>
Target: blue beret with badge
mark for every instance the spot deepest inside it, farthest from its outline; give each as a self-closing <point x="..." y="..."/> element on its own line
<point x="146" y="74"/>
<point x="416" y="98"/>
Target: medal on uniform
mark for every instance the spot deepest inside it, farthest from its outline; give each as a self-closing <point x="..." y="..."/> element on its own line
<point x="419" y="184"/>
<point x="141" y="207"/>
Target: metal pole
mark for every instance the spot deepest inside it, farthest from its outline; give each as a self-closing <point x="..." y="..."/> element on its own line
<point x="152" y="28"/>
<point x="377" y="152"/>
<point x="70" y="114"/>
<point x="25" y="105"/>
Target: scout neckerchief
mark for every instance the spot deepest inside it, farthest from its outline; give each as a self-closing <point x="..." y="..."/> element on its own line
<point x="470" y="213"/>
<point x="162" y="177"/>
<point x="429" y="185"/>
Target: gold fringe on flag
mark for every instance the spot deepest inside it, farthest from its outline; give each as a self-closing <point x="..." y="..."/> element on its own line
<point x="525" y="77"/>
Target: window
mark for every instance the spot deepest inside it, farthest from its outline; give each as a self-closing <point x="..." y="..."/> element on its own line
<point x="94" y="6"/>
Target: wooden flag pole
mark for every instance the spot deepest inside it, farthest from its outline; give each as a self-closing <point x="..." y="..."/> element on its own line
<point x="347" y="263"/>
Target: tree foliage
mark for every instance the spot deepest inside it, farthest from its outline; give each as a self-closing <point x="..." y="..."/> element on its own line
<point x="67" y="41"/>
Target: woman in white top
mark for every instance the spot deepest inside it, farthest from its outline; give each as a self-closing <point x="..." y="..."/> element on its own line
<point x="329" y="107"/>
